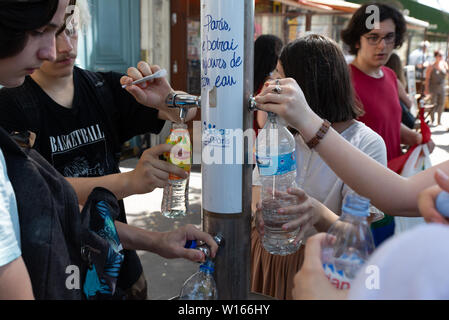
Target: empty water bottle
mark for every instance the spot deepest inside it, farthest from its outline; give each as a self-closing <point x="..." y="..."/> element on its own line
<point x="201" y="285"/>
<point x="349" y="242"/>
<point x="175" y="201"/>
<point x="276" y="161"/>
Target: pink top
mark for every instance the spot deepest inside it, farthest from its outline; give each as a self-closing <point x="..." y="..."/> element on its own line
<point x="380" y="100"/>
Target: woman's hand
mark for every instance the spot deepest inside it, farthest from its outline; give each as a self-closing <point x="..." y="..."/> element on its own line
<point x="285" y="98"/>
<point x="427" y="198"/>
<point x="305" y="209"/>
<point x="311" y="283"/>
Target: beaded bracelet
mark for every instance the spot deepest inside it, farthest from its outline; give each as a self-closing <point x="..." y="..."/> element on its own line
<point x="319" y="135"/>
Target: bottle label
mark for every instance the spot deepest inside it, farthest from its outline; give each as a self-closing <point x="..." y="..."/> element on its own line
<point x="181" y="153"/>
<point x="343" y="270"/>
<point x="276" y="165"/>
<point x="336" y="277"/>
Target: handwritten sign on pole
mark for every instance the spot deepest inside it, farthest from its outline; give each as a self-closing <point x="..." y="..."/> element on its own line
<point x="222" y="90"/>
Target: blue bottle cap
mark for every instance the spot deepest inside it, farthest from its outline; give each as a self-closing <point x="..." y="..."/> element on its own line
<point x="191" y="244"/>
<point x="356" y="205"/>
<point x="442" y="203"/>
<point x="208" y="266"/>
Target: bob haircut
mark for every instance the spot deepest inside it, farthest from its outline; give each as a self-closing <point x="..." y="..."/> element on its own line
<point x="266" y="55"/>
<point x="320" y="69"/>
<point x="18" y="18"/>
<point x="357" y="25"/>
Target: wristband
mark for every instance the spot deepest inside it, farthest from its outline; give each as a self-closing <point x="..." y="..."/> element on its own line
<point x="319" y="135"/>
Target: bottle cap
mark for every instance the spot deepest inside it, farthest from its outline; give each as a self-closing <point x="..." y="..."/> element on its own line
<point x="356" y="205"/>
<point x="191" y="244"/>
<point x="442" y="203"/>
<point x="208" y="266"/>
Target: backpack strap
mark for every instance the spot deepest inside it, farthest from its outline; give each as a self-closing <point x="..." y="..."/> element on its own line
<point x="104" y="96"/>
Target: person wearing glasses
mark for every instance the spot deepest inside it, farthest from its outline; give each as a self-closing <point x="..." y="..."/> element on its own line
<point x="436" y="85"/>
<point x="376" y="85"/>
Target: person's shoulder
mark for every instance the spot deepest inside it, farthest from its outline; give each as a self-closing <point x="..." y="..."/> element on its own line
<point x="367" y="140"/>
<point x="362" y="131"/>
<point x="389" y="72"/>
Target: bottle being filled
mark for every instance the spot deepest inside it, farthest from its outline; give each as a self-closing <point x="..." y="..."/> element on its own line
<point x="175" y="201"/>
<point x="201" y="285"/>
<point x="349" y="242"/>
<point x="276" y="161"/>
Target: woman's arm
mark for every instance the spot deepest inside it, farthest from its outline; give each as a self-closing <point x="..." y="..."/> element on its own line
<point x="403" y="96"/>
<point x="409" y="137"/>
<point x="387" y="191"/>
<point x="261" y="118"/>
<point x="427" y="81"/>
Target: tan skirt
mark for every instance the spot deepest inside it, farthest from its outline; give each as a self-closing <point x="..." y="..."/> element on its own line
<point x="273" y="275"/>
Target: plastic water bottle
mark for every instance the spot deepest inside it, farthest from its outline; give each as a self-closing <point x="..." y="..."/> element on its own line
<point x="442" y="203"/>
<point x="349" y="242"/>
<point x="201" y="285"/>
<point x="276" y="160"/>
<point x="175" y="201"/>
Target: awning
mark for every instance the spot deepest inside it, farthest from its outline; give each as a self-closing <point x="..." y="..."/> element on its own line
<point x="414" y="18"/>
<point x="306" y="5"/>
<point x="352" y="7"/>
<point x="439" y="20"/>
<point x="332" y="6"/>
<point x="338" y="5"/>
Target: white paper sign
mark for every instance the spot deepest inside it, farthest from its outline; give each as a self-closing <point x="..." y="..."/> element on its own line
<point x="222" y="71"/>
<point x="411" y="84"/>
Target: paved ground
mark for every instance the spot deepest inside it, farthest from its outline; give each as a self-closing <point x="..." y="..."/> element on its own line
<point x="167" y="276"/>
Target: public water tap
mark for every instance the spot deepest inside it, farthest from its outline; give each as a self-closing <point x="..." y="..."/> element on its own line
<point x="184" y="102"/>
<point x="252" y="104"/>
<point x="204" y="248"/>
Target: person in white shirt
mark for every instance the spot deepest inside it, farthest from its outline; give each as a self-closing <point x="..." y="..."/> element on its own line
<point x="317" y="63"/>
<point x="27" y="35"/>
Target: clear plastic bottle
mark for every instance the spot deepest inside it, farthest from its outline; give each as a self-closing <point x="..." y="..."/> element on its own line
<point x="201" y="285"/>
<point x="276" y="160"/>
<point x="175" y="201"/>
<point x="349" y="242"/>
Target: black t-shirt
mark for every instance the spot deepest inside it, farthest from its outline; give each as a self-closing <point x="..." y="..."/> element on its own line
<point x="78" y="141"/>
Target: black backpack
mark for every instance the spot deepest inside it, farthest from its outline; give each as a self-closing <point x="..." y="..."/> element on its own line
<point x="103" y="94"/>
<point x="61" y="246"/>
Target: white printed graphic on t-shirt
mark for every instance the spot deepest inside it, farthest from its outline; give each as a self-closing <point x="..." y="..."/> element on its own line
<point x="81" y="153"/>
